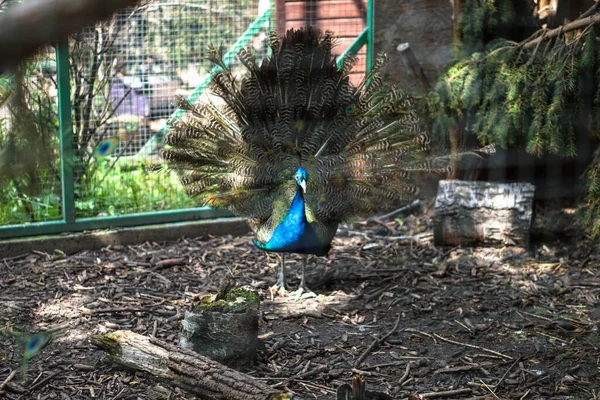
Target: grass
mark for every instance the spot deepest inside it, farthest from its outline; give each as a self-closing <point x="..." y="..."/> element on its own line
<point x="111" y="191"/>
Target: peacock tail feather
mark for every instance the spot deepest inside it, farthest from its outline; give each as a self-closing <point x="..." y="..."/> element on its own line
<point x="30" y="344"/>
<point x="359" y="144"/>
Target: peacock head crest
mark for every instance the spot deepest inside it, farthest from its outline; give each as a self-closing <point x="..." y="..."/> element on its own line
<point x="301" y="176"/>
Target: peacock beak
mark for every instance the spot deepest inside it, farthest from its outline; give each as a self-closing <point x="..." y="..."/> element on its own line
<point x="303" y="185"/>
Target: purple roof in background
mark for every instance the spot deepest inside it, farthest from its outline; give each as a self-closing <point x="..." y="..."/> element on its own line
<point x="134" y="104"/>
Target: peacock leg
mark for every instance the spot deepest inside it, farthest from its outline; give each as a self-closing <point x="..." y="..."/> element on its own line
<point x="302" y="277"/>
<point x="281" y="274"/>
<point x="303" y="290"/>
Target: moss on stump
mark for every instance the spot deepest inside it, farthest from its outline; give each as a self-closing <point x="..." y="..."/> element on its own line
<point x="224" y="327"/>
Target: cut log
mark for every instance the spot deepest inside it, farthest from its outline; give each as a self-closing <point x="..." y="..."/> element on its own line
<point x="192" y="372"/>
<point x="471" y="213"/>
<point x="224" y="327"/>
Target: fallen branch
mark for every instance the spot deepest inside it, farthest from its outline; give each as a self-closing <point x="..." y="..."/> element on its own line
<point x="405" y="375"/>
<point x="169" y="263"/>
<point x="377" y="342"/>
<point x="190" y="371"/>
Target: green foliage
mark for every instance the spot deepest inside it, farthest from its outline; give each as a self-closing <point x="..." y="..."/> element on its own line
<point x="116" y="190"/>
<point x="30" y="169"/>
<point x="28" y="140"/>
<point x="104" y="186"/>
<point x="539" y="96"/>
<point x="510" y="94"/>
<point x="111" y="192"/>
<point x="482" y="21"/>
<point x="589" y="215"/>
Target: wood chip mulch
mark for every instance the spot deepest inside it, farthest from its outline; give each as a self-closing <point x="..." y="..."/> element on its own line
<point x="417" y="321"/>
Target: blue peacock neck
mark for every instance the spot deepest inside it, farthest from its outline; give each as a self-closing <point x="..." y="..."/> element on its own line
<point x="297" y="211"/>
<point x="291" y="233"/>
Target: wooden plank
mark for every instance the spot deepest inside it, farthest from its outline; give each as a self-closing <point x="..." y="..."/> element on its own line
<point x="325" y="9"/>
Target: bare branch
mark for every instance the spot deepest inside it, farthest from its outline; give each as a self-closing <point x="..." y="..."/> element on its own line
<point x="571" y="26"/>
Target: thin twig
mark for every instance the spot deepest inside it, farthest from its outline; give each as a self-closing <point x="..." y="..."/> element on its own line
<point x="413" y="330"/>
<point x="376" y="342"/>
<point x="405" y="375"/>
<point x="8" y="379"/>
<point x="400" y="210"/>
<point x="472" y="346"/>
<point x="312" y="372"/>
<point x="591" y="11"/>
<point x="46" y="379"/>
<point x="485" y="385"/>
<point x="411" y="237"/>
<point x="446" y="393"/>
<point x="501" y="381"/>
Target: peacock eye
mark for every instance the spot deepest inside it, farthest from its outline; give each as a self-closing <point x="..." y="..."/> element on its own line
<point x="350" y="109"/>
<point x="33" y="342"/>
<point x="106" y="147"/>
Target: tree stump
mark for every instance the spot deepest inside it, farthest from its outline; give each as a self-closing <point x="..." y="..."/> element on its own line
<point x="192" y="372"/>
<point x="224" y="327"/>
<point x="471" y="213"/>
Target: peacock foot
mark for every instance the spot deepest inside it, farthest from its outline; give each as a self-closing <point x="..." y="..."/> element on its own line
<point x="302" y="293"/>
<point x="281" y="286"/>
<point x="281" y="281"/>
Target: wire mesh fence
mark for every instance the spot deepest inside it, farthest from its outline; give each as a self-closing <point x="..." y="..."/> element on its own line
<point x="124" y="76"/>
<point x="346" y="18"/>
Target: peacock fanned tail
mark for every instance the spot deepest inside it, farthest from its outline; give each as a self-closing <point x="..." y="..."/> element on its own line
<point x="360" y="144"/>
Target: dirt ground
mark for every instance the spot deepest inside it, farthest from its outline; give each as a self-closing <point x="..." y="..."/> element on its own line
<point x="452" y="323"/>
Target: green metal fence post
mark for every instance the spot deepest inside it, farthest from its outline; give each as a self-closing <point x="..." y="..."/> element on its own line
<point x="66" y="132"/>
<point x="370" y="33"/>
<point x="365" y="38"/>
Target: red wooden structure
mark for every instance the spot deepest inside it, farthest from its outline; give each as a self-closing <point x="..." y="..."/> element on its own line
<point x="346" y="18"/>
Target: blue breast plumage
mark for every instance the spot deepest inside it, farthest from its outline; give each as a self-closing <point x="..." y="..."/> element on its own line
<point x="294" y="234"/>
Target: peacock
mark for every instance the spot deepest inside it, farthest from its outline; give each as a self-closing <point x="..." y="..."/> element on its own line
<point x="295" y="148"/>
